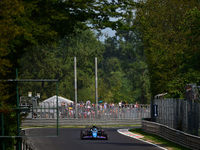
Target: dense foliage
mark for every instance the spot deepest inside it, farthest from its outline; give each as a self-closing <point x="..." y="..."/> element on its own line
<point x="153" y="52"/>
<point x="31" y="27"/>
<point x="122" y="75"/>
<point x="57" y="62"/>
<point x="170" y="31"/>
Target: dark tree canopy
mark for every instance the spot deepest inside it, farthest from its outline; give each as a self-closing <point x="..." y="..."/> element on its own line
<point x="169" y="30"/>
<point x="26" y="24"/>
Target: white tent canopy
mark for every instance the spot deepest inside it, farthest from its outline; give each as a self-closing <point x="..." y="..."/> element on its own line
<point x="53" y="100"/>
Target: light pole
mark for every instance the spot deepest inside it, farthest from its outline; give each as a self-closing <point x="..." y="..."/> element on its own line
<point x="75" y="85"/>
<point x="96" y="88"/>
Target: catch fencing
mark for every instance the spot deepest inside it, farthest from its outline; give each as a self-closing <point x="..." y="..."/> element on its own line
<point x="128" y="111"/>
<point x="179" y="114"/>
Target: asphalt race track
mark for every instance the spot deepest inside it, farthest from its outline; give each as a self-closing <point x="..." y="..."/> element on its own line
<point x="69" y="139"/>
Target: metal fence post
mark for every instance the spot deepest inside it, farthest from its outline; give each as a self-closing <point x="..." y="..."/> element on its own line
<point x="18" y="114"/>
<point x="2" y="131"/>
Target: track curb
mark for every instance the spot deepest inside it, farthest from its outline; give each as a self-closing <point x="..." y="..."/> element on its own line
<point x="126" y="132"/>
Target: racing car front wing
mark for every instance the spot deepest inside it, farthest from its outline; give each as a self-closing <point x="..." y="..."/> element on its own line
<point x="91" y="137"/>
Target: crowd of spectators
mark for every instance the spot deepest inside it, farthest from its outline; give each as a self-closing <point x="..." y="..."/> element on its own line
<point x="90" y="110"/>
<point x="103" y="110"/>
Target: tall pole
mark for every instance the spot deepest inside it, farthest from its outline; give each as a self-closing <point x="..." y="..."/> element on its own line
<point x="96" y="88"/>
<point x="75" y="85"/>
<point x="18" y="115"/>
<point x="57" y="105"/>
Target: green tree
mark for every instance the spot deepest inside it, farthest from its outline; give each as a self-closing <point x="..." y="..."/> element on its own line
<point x="124" y="69"/>
<point x="164" y="43"/>
<point x="127" y="47"/>
<point x="10" y="10"/>
<point x="133" y="61"/>
<point x="26" y="24"/>
<point x="188" y="71"/>
<point x="57" y="62"/>
<point x="112" y="77"/>
<point x="191" y="27"/>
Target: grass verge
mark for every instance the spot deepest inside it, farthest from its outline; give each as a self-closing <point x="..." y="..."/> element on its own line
<point x="158" y="140"/>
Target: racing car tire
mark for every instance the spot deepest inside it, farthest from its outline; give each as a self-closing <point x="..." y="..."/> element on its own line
<point x="82" y="134"/>
<point x="106" y="135"/>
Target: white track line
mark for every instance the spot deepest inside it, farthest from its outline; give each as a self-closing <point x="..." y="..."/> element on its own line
<point x="127" y="133"/>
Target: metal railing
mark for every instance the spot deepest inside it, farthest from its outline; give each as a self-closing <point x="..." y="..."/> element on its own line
<point x="128" y="111"/>
<point x="27" y="145"/>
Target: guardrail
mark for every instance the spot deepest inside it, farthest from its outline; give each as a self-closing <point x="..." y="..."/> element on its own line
<point x="27" y="145"/>
<point x="171" y="134"/>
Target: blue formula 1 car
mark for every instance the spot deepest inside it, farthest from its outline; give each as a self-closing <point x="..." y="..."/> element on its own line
<point x="93" y="132"/>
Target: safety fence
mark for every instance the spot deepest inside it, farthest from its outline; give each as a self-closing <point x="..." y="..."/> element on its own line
<point x="128" y="111"/>
<point x="179" y="114"/>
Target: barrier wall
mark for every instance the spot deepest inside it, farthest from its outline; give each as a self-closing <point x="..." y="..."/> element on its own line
<point x="171" y="134"/>
<point x="27" y="145"/>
